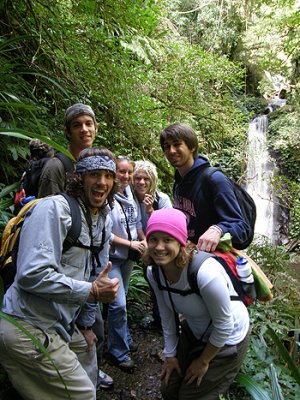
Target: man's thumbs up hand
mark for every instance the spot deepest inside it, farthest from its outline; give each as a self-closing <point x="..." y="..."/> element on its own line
<point x="106" y="270"/>
<point x="104" y="289"/>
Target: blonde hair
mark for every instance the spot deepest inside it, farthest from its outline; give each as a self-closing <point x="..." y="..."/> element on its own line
<point x="150" y="169"/>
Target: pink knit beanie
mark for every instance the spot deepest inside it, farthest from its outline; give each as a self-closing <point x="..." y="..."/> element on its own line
<point x="170" y="221"/>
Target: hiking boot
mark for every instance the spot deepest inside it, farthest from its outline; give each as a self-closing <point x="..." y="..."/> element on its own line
<point x="104" y="381"/>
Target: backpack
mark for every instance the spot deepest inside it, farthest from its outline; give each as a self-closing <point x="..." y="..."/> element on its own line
<point x="156" y="201"/>
<point x="31" y="177"/>
<point x="246" y="203"/>
<point x="228" y="262"/>
<point x="11" y="237"/>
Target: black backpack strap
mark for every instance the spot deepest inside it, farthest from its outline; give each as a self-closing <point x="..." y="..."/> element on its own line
<point x="206" y="175"/>
<point x="102" y="239"/>
<point x="155" y="274"/>
<point x="235" y="281"/>
<point x="75" y="229"/>
<point x="156" y="201"/>
<point x="196" y="264"/>
<point x="193" y="268"/>
<point x="67" y="162"/>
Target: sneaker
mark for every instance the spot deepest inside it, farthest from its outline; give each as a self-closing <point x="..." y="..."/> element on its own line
<point x="126" y="365"/>
<point x="104" y="380"/>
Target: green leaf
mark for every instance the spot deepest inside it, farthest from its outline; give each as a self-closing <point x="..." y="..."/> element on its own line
<point x="4" y="43"/>
<point x="256" y="391"/>
<point x="22" y="134"/>
<point x="8" y="189"/>
<point x="4" y="104"/>
<point x="14" y="134"/>
<point x="285" y="355"/>
<point x="276" y="390"/>
<point x="296" y="340"/>
<point x="53" y="81"/>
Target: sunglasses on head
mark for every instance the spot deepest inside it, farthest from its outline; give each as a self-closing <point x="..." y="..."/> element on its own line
<point x="123" y="158"/>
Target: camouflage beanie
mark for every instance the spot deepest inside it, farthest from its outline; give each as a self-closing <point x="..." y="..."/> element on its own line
<point x="76" y="110"/>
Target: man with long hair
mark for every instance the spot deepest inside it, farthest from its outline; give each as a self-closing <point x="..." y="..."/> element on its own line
<point x="56" y="293"/>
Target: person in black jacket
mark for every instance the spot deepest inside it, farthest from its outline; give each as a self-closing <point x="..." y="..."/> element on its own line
<point x="208" y="218"/>
<point x="80" y="127"/>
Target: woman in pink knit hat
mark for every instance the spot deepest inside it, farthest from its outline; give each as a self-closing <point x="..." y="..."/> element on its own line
<point x="206" y="332"/>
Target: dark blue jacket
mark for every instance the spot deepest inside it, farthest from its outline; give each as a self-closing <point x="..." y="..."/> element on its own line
<point x="202" y="212"/>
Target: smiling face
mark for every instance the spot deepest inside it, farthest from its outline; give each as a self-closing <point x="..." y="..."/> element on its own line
<point x="163" y="248"/>
<point x="124" y="172"/>
<point x="178" y="154"/>
<point x="96" y="188"/>
<point x="81" y="132"/>
<point x="141" y="183"/>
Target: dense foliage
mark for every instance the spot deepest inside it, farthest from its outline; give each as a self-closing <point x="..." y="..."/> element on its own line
<point x="123" y="59"/>
<point x="141" y="65"/>
<point x="144" y="64"/>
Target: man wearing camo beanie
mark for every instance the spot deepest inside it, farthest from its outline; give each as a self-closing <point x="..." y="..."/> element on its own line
<point x="80" y="128"/>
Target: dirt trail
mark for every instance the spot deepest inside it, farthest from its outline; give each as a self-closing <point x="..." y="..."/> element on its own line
<point x="144" y="383"/>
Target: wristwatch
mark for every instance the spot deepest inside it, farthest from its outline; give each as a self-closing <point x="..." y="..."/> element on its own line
<point x="84" y="328"/>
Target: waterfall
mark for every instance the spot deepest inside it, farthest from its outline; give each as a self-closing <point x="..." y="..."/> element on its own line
<point x="260" y="170"/>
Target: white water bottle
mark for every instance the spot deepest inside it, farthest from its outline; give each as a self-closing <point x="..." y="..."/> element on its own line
<point x="244" y="272"/>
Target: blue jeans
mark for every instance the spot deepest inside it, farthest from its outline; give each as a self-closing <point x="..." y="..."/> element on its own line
<point x="119" y="337"/>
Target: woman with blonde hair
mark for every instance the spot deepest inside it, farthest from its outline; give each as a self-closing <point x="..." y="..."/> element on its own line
<point x="145" y="186"/>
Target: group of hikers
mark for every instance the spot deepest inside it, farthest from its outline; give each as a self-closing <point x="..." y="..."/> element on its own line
<point x="57" y="290"/>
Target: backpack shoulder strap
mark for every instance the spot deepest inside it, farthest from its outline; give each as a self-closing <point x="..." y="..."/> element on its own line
<point x="208" y="171"/>
<point x="75" y="229"/>
<point x="196" y="263"/>
<point x="206" y="175"/>
<point x="156" y="277"/>
<point x="156" y="201"/>
<point x="102" y="239"/>
<point x="67" y="162"/>
<point x="194" y="267"/>
<point x="234" y="279"/>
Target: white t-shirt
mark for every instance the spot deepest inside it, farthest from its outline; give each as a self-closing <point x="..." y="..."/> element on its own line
<point x="221" y="320"/>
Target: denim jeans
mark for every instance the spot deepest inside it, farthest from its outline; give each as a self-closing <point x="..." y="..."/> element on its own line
<point x="119" y="337"/>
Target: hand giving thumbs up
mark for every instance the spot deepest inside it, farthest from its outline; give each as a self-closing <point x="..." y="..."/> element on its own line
<point x="104" y="289"/>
